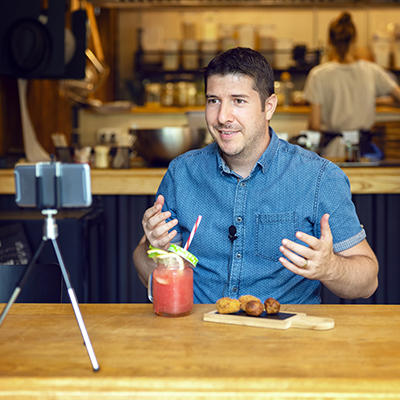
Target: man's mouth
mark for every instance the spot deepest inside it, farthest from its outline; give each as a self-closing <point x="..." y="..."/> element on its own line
<point x="227" y="131"/>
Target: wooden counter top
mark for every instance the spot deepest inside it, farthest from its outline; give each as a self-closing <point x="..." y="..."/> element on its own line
<point x="145" y="181"/>
<point x="373" y="180"/>
<point x="136" y="181"/>
<point x="144" y="356"/>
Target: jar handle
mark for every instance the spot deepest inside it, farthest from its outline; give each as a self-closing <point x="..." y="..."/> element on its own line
<point x="150" y="288"/>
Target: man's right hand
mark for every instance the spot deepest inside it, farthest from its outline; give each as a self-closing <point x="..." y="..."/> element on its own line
<point x="154" y="225"/>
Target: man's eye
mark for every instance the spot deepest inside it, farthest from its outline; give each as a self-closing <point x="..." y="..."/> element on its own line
<point x="212" y="101"/>
<point x="239" y="101"/>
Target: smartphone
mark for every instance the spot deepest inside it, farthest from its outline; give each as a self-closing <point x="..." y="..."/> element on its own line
<point x="52" y="185"/>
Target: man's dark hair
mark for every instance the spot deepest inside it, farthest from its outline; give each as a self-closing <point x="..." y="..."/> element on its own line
<point x="244" y="61"/>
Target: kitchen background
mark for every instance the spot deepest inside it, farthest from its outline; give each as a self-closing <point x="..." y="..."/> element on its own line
<point x="149" y="40"/>
<point x="295" y="23"/>
<point x="288" y="27"/>
<point x="102" y="268"/>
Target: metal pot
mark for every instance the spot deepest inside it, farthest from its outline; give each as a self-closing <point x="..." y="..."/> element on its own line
<point x="159" y="146"/>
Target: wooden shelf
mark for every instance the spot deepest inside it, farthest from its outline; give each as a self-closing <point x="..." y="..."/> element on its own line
<point x="181" y="110"/>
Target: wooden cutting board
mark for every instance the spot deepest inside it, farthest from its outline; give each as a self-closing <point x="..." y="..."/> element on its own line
<point x="282" y="320"/>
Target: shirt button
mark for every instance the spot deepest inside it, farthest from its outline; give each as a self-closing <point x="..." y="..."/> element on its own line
<point x="239" y="219"/>
<point x="238" y="255"/>
<point x="243" y="184"/>
<point x="234" y="289"/>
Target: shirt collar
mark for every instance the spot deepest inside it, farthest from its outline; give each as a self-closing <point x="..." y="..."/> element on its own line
<point x="266" y="158"/>
<point x="263" y="162"/>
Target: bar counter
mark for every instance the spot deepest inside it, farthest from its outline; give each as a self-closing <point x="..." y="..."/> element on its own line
<point x="145" y="181"/>
<point x="144" y="356"/>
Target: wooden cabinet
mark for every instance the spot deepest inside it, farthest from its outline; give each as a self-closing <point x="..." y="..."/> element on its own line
<point x="388" y="138"/>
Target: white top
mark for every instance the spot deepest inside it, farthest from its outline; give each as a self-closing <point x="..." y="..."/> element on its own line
<point x="346" y="93"/>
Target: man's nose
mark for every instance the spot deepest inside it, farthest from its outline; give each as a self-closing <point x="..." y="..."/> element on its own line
<point x="225" y="113"/>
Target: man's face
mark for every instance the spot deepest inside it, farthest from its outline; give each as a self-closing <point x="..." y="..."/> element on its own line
<point x="234" y="117"/>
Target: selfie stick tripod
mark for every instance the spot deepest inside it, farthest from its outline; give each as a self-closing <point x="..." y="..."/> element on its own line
<point x="50" y="231"/>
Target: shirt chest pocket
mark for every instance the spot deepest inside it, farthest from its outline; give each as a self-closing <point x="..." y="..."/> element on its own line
<point x="270" y="230"/>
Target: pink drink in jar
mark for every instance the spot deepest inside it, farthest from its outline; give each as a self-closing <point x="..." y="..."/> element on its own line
<point x="173" y="290"/>
<point x="171" y="283"/>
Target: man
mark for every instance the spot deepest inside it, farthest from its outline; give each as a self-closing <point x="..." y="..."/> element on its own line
<point x="295" y="223"/>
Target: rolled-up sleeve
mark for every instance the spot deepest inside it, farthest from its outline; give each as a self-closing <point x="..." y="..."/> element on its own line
<point x="335" y="199"/>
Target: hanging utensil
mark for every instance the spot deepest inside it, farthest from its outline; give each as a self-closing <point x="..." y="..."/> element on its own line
<point x="96" y="71"/>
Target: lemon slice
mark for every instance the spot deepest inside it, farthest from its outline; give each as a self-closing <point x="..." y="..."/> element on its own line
<point x="161" y="281"/>
<point x="154" y="252"/>
<point x="164" y="257"/>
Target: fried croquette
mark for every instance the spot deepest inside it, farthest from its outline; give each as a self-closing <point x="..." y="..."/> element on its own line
<point x="272" y="306"/>
<point x="244" y="299"/>
<point x="226" y="305"/>
<point x="254" y="308"/>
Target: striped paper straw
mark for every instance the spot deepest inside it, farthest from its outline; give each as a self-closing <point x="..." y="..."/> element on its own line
<point x="196" y="225"/>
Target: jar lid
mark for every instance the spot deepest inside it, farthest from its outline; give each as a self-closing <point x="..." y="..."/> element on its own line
<point x="184" y="254"/>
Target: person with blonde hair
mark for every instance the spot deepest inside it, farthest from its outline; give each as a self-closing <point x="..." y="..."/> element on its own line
<point x="342" y="91"/>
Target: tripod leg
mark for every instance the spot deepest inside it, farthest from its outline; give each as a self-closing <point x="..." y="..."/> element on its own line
<point x="21" y="282"/>
<point x="75" y="307"/>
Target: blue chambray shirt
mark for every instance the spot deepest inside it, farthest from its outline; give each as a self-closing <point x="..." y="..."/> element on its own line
<point x="288" y="190"/>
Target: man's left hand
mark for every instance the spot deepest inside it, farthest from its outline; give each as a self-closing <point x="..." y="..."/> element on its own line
<point x="312" y="262"/>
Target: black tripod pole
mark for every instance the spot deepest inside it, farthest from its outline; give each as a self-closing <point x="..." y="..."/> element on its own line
<point x="22" y="281"/>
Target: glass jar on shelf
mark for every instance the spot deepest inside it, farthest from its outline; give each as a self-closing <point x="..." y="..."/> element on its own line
<point x="200" y="95"/>
<point x="191" y="93"/>
<point x="190" y="54"/>
<point x="209" y="50"/>
<point x="167" y="94"/>
<point x="153" y="94"/>
<point x="287" y="87"/>
<point x="180" y="94"/>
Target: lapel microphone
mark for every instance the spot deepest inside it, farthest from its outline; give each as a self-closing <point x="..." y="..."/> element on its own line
<point x="232" y="233"/>
<point x="232" y="237"/>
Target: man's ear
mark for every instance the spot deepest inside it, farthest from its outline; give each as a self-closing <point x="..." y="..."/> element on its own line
<point x="270" y="106"/>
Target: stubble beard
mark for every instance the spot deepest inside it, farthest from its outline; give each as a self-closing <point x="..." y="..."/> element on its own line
<point x="218" y="138"/>
<point x="247" y="148"/>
